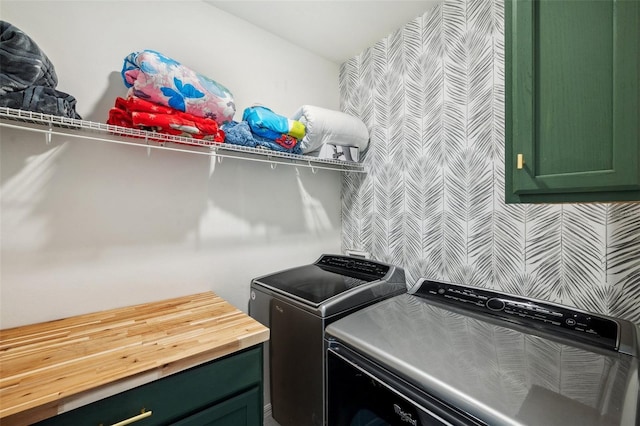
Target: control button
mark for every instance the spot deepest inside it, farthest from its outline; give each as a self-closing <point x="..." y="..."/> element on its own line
<point x="495" y="304"/>
<point x="351" y="264"/>
<point x="570" y="322"/>
<point x="441" y="290"/>
<point x="582" y="318"/>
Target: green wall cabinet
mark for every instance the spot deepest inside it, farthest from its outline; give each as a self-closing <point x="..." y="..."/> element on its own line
<point x="572" y="120"/>
<point x="223" y="392"/>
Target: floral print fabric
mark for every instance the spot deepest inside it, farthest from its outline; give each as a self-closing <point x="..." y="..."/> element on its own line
<point x="156" y="78"/>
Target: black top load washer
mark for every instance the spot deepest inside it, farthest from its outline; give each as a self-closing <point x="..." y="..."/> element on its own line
<point x="447" y="354"/>
<point x="297" y="304"/>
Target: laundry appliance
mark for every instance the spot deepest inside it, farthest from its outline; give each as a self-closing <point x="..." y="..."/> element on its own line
<point x="448" y="354"/>
<point x="297" y="304"/>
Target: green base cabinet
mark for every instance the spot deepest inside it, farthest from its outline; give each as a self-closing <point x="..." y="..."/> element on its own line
<point x="239" y="410"/>
<point x="224" y="392"/>
<point x="572" y="98"/>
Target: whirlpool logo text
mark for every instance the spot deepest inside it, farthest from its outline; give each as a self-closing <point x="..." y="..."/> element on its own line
<point x="404" y="416"/>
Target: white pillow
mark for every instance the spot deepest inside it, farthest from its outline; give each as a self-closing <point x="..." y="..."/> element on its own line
<point x="328" y="126"/>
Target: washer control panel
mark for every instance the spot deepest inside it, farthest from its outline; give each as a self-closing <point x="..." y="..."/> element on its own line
<point x="553" y="318"/>
<point x="355" y="264"/>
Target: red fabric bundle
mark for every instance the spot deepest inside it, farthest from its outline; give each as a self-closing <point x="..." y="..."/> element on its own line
<point x="286" y="141"/>
<point x="138" y="113"/>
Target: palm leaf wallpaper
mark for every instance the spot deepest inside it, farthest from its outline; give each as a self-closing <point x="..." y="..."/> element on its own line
<point x="432" y="97"/>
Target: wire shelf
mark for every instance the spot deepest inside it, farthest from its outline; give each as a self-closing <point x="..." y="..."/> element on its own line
<point x="83" y="129"/>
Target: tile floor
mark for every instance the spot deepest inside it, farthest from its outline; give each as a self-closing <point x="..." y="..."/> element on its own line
<point x="268" y="421"/>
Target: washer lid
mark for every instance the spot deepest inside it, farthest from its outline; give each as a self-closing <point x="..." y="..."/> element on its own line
<point x="316" y="283"/>
<point x="495" y="371"/>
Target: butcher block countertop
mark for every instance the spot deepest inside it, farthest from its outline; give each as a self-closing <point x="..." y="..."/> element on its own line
<point x="51" y="367"/>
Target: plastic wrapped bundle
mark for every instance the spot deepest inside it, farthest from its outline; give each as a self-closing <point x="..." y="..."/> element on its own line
<point x="324" y="126"/>
<point x="266" y="123"/>
<point x="152" y="76"/>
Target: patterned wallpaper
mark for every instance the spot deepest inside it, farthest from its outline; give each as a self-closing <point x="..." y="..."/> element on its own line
<point x="432" y="96"/>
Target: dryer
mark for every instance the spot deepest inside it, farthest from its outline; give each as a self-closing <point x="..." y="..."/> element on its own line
<point x="297" y="304"/>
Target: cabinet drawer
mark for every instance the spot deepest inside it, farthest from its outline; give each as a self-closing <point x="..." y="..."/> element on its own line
<point x="174" y="397"/>
<point x="242" y="410"/>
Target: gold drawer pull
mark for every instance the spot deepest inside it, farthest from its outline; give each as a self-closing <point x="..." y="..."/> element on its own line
<point x="134" y="419"/>
<point x="520" y="162"/>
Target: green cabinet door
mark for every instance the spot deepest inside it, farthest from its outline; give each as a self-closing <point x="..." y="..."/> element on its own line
<point x="241" y="410"/>
<point x="572" y="100"/>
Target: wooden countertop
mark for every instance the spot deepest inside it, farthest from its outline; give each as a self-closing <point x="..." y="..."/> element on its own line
<point x="44" y="366"/>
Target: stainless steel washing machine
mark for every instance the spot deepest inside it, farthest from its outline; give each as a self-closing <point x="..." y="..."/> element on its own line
<point x="448" y="354"/>
<point x="297" y="304"/>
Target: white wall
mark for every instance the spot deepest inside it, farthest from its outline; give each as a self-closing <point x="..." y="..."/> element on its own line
<point x="87" y="226"/>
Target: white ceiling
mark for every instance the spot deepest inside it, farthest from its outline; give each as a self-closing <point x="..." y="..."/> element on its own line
<point x="333" y="29"/>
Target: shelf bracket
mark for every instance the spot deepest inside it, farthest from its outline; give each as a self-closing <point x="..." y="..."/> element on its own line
<point x="146" y="140"/>
<point x="49" y="134"/>
<point x="273" y="164"/>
